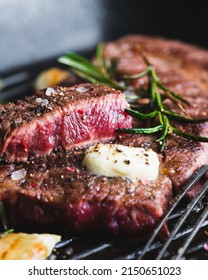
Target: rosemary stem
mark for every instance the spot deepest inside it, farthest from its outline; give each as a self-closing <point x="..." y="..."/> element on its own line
<point x="140" y="75"/>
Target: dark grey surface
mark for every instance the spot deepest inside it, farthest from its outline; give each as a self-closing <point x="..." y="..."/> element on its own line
<point x="40" y="29"/>
<point x="31" y="31"/>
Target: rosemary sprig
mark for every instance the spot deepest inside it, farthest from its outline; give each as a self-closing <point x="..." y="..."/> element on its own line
<point x="163" y="114"/>
<point x="86" y="69"/>
<point x="104" y="72"/>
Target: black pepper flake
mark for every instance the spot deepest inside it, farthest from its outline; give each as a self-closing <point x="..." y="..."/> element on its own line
<point x="126" y="161"/>
<point x="118" y="150"/>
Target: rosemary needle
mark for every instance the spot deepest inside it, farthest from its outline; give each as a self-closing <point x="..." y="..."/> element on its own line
<point x="137" y="114"/>
<point x="141" y="130"/>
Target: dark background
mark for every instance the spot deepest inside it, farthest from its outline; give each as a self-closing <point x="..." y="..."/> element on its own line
<point x="32" y="31"/>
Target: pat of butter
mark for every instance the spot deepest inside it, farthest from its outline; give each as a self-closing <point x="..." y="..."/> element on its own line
<point x="118" y="160"/>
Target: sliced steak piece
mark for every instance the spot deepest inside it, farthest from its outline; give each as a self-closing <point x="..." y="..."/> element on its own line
<point x="60" y="117"/>
<point x="175" y="61"/>
<point x="57" y="192"/>
<point x="183" y="69"/>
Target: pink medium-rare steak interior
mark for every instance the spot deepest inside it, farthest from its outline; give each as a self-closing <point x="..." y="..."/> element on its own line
<point x="61" y="117"/>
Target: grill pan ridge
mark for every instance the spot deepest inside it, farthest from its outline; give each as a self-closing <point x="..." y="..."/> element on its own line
<point x="188" y="222"/>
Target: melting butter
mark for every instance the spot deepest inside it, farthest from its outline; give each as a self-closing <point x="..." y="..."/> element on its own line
<point x="119" y="160"/>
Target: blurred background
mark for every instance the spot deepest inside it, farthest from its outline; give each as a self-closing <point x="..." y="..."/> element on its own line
<point x="32" y="31"/>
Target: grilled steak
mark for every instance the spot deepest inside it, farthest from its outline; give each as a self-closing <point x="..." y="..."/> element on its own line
<point x="57" y="191"/>
<point x="65" y="117"/>
<point x="183" y="69"/>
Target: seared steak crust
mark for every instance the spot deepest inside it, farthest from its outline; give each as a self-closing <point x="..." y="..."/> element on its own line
<point x="60" y="117"/>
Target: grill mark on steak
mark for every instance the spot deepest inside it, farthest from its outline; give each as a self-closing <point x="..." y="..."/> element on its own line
<point x="40" y="123"/>
<point x="183" y="69"/>
<point x="57" y="191"/>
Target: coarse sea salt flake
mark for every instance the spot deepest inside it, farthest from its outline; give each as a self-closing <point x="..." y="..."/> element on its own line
<point x="49" y="91"/>
<point x="38" y="100"/>
<point x="44" y="102"/>
<point x="81" y="89"/>
<point x="19" y="174"/>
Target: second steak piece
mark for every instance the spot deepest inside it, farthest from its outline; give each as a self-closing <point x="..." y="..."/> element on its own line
<point x="60" y="117"/>
<point x="56" y="192"/>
